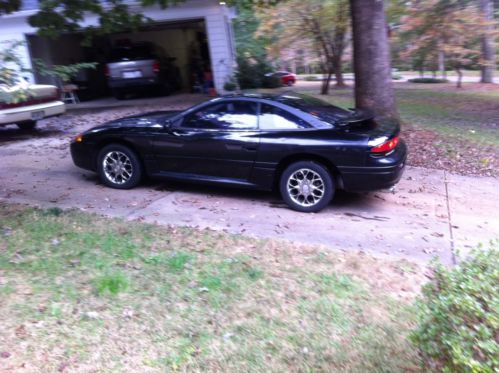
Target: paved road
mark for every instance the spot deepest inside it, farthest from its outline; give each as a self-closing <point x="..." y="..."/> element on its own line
<point x="430" y="212"/>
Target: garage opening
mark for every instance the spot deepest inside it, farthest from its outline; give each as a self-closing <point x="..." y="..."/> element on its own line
<point x="182" y="46"/>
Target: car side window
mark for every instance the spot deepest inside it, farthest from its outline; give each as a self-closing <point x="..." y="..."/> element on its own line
<point x="274" y="118"/>
<point x="233" y="115"/>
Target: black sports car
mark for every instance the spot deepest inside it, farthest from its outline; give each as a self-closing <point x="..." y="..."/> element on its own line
<point x="304" y="146"/>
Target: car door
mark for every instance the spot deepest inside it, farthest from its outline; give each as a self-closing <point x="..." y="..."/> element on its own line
<point x="219" y="140"/>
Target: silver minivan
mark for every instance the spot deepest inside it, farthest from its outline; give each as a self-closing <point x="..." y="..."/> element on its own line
<point x="140" y="66"/>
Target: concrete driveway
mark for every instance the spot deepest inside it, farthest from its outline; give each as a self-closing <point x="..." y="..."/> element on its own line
<point x="431" y="213"/>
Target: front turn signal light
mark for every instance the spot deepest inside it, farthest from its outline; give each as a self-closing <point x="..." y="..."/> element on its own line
<point x="79" y="138"/>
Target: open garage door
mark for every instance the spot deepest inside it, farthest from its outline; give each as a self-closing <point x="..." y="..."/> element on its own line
<point x="182" y="44"/>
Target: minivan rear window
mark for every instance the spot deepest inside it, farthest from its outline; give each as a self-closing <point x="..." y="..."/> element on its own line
<point x="134" y="53"/>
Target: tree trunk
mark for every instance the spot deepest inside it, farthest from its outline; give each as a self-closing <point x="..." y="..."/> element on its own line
<point x="372" y="67"/>
<point x="338" y="73"/>
<point x="326" y="82"/>
<point x="459" y="77"/>
<point x="488" y="47"/>
<point x="441" y="64"/>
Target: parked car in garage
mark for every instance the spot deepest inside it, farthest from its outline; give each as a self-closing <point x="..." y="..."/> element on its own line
<point x="141" y="66"/>
<point x="304" y="147"/>
<point x="286" y="77"/>
<point x="24" y="104"/>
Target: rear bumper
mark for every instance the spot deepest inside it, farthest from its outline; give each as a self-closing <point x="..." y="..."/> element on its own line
<point x="382" y="176"/>
<point x="31" y="112"/>
<point x="130" y="83"/>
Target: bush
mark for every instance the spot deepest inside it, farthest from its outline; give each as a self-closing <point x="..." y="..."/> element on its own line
<point x="251" y="74"/>
<point x="271" y="82"/>
<point x="310" y="78"/>
<point x="230" y="86"/>
<point x="458" y="316"/>
<point x="428" y="80"/>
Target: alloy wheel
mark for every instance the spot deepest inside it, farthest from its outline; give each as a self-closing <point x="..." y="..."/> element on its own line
<point x="117" y="167"/>
<point x="305" y="187"/>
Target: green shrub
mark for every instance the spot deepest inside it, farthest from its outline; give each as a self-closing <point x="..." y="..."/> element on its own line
<point x="230" y="86"/>
<point x="428" y="80"/>
<point x="271" y="82"/>
<point x="310" y="78"/>
<point x="251" y="74"/>
<point x="458" y="319"/>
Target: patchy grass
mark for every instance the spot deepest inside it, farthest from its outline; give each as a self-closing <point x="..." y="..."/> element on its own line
<point x="445" y="127"/>
<point x="81" y="292"/>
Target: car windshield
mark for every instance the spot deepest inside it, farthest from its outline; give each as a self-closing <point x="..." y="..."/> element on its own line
<point x="328" y="114"/>
<point x="139" y="52"/>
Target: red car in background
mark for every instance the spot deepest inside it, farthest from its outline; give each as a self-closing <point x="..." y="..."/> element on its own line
<point x="287" y="78"/>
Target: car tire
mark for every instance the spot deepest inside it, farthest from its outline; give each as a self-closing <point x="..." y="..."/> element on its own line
<point x="290" y="83"/>
<point x="119" y="167"/>
<point x="306" y="186"/>
<point x="165" y="90"/>
<point x="27" y="125"/>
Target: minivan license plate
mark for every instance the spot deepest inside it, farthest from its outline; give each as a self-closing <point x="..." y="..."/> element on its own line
<point x="132" y="74"/>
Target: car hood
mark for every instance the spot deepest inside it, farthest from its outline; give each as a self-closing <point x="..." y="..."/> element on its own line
<point x="138" y="120"/>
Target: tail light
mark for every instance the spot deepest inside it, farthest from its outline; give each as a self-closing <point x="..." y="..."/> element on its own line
<point x="156" y="67"/>
<point x="106" y="71"/>
<point x="386" y="146"/>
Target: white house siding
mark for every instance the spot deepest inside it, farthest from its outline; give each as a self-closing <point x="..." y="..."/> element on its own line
<point x="218" y="28"/>
<point x="11" y="29"/>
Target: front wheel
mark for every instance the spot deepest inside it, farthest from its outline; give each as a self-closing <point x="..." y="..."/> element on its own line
<point x="119" y="167"/>
<point x="306" y="186"/>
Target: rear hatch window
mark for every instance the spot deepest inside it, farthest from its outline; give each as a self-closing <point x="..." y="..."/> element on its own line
<point x="328" y="115"/>
<point x="134" y="53"/>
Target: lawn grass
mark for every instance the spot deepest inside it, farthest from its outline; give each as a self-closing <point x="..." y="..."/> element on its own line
<point x="463" y="115"/>
<point x="87" y="293"/>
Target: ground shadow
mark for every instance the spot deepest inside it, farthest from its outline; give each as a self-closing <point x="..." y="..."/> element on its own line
<point x="12" y="133"/>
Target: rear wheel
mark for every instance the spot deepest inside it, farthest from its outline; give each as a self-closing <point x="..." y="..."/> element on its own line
<point x="307" y="186"/>
<point x="27" y="125"/>
<point x="119" y="167"/>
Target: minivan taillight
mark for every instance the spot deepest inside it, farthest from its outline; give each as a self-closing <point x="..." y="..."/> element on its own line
<point x="387" y="146"/>
<point x="155" y="67"/>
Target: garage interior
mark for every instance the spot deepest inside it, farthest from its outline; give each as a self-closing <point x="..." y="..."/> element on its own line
<point x="185" y="42"/>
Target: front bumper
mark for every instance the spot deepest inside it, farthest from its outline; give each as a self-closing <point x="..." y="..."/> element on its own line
<point x="384" y="173"/>
<point x="31" y="112"/>
<point x="83" y="156"/>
